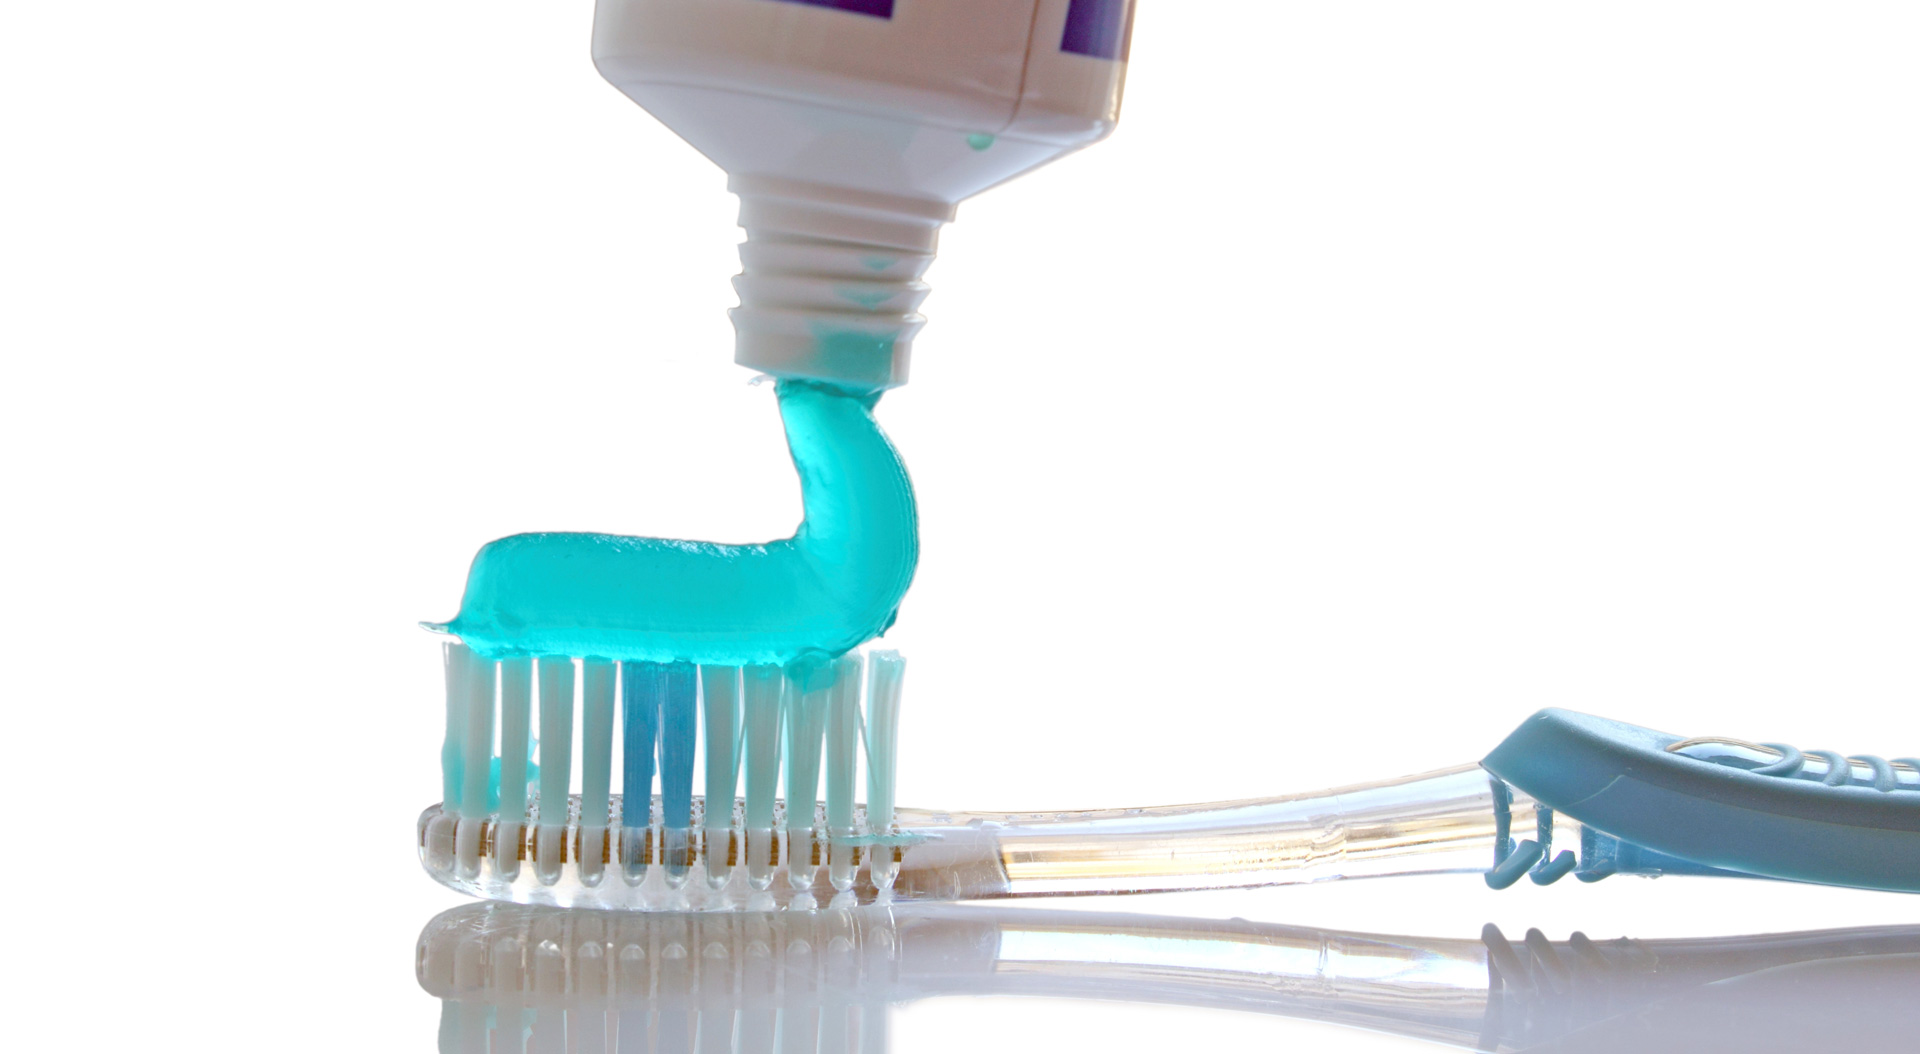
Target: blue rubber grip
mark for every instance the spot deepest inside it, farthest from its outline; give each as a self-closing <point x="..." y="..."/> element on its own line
<point x="1622" y="780"/>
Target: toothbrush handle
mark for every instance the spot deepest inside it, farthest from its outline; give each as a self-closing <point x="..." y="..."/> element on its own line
<point x="1438" y="822"/>
<point x="1723" y="804"/>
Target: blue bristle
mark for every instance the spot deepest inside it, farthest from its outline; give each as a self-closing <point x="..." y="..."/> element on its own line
<point x="640" y="690"/>
<point x="677" y="730"/>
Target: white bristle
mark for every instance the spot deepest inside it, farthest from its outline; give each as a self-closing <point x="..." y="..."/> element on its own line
<point x="753" y="725"/>
<point x="764" y="707"/>
<point x="475" y="792"/>
<point x="516" y="709"/>
<point x="453" y="752"/>
<point x="476" y="772"/>
<point x="556" y="764"/>
<point x="720" y="708"/>
<point x="881" y="737"/>
<point x="596" y="765"/>
<point x="806" y="723"/>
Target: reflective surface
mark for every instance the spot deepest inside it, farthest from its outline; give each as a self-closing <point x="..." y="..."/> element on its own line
<point x="516" y="978"/>
<point x="1449" y="364"/>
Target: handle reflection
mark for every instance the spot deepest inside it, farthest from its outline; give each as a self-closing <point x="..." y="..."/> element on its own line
<point x="548" y="981"/>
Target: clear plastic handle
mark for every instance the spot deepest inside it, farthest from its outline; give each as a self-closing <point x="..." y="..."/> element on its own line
<point x="1442" y="821"/>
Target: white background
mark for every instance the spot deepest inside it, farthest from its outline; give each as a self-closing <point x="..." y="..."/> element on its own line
<point x="1397" y="369"/>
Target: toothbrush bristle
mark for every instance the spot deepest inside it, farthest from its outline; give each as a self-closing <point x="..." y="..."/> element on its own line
<point x="514" y="827"/>
<point x="677" y="725"/>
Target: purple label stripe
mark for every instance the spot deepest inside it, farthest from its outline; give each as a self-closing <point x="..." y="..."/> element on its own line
<point x="1100" y="28"/>
<point x="876" y="8"/>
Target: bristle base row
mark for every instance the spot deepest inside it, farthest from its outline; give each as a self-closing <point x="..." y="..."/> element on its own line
<point x="654" y="867"/>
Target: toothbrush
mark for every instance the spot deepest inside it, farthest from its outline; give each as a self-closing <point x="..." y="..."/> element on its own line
<point x="851" y="131"/>
<point x="825" y="980"/>
<point x="1566" y="793"/>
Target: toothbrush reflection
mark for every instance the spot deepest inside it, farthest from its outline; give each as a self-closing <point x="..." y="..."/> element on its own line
<point x="550" y="981"/>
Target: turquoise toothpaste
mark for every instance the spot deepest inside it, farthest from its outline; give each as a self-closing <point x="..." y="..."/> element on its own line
<point x="850" y="132"/>
<point x="834" y="585"/>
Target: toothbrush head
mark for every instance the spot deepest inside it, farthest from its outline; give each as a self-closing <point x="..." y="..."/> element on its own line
<point x="516" y="824"/>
